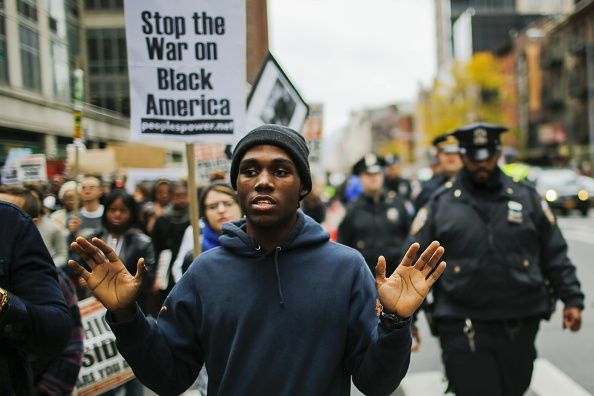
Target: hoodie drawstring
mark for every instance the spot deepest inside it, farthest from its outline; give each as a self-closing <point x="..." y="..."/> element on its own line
<point x="278" y="282"/>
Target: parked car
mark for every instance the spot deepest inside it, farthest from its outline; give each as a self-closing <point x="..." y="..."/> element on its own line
<point x="562" y="190"/>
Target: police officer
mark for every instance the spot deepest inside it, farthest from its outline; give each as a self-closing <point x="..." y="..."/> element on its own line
<point x="394" y="182"/>
<point x="503" y="245"/>
<point x="378" y="222"/>
<point x="447" y="155"/>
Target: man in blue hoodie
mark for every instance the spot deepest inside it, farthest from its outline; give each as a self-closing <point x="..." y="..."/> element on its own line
<point x="278" y="309"/>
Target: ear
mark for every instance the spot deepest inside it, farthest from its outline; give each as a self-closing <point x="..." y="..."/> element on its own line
<point x="303" y="192"/>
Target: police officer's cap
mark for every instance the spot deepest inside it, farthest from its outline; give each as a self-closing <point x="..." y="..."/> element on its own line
<point x="479" y="141"/>
<point x="370" y="163"/>
<point x="446" y="143"/>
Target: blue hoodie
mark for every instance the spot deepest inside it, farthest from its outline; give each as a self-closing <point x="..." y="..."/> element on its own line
<point x="298" y="320"/>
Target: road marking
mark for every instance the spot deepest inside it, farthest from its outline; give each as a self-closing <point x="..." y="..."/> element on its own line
<point x="427" y="383"/>
<point x="547" y="380"/>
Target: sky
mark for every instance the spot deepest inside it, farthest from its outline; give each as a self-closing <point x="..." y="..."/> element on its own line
<point x="350" y="54"/>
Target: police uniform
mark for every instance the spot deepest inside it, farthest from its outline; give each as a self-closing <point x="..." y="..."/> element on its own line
<point x="396" y="184"/>
<point x="446" y="143"/>
<point x="375" y="227"/>
<point x="502" y="245"/>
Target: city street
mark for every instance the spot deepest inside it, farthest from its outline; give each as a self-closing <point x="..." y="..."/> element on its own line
<point x="564" y="365"/>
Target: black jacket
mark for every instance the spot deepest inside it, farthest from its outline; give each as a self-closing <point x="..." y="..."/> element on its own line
<point x="376" y="229"/>
<point x="37" y="320"/>
<point x="428" y="188"/>
<point x="500" y="246"/>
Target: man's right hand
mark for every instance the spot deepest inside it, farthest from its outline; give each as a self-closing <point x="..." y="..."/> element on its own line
<point x="109" y="280"/>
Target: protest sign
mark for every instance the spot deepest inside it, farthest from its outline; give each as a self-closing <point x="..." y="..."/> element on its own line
<point x="31" y="169"/>
<point x="9" y="171"/>
<point x="103" y="368"/>
<point x="186" y="61"/>
<point x="138" y="175"/>
<point x="210" y="158"/>
<point x="274" y="99"/>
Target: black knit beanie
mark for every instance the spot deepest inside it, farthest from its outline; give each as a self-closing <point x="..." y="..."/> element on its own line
<point x="275" y="135"/>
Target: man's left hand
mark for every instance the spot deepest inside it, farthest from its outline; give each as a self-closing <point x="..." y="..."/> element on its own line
<point x="404" y="291"/>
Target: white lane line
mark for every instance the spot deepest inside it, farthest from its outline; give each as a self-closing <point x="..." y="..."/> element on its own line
<point x="427" y="383"/>
<point x="549" y="380"/>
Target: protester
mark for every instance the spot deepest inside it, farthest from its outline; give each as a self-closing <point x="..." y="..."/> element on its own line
<point x="504" y="245"/>
<point x="89" y="217"/>
<point x="378" y="222"/>
<point x="34" y="317"/>
<point x="167" y="237"/>
<point x="53" y="374"/>
<point x="162" y="193"/>
<point x="276" y="293"/>
<point x="67" y="197"/>
<point x="218" y="205"/>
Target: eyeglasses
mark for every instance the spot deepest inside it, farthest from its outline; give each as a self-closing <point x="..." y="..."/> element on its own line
<point x="215" y="205"/>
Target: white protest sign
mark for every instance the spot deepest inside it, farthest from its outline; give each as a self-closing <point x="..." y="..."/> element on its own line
<point x="210" y="158"/>
<point x="103" y="368"/>
<point x="31" y="169"/>
<point x="274" y="99"/>
<point x="186" y="61"/>
<point x="9" y="174"/>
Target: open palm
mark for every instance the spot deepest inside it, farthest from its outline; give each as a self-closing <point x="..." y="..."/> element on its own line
<point x="109" y="280"/>
<point x="404" y="291"/>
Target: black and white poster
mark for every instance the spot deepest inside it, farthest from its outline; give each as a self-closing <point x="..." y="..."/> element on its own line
<point x="274" y="99"/>
<point x="186" y="61"/>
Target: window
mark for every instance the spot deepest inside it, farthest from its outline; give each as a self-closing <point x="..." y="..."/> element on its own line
<point x="108" y="71"/>
<point x="104" y="4"/>
<point x="30" y="58"/>
<point x="27" y="9"/>
<point x="60" y="71"/>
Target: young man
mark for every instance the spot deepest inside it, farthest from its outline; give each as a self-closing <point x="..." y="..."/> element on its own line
<point x="277" y="309"/>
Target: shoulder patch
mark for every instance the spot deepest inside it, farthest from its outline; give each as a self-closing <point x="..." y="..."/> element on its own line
<point x="547" y="211"/>
<point x="419" y="221"/>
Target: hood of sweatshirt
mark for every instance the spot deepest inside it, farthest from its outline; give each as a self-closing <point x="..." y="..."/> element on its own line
<point x="305" y="233"/>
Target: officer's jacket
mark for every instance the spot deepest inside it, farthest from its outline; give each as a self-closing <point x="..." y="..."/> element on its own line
<point x="376" y="229"/>
<point x="497" y="262"/>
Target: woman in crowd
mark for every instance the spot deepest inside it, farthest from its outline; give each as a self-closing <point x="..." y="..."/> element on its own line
<point x="218" y="205"/>
<point x="120" y="231"/>
<point x="67" y="196"/>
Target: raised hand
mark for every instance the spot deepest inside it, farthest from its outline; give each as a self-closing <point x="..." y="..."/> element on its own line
<point x="109" y="280"/>
<point x="404" y="291"/>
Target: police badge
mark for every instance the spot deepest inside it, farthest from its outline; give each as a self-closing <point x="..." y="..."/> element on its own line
<point x="480" y="137"/>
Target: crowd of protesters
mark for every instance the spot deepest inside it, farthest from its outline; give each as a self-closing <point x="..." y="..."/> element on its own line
<point x="372" y="212"/>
